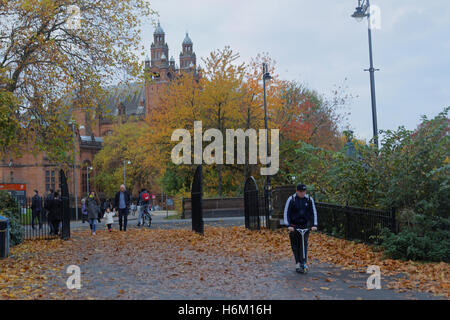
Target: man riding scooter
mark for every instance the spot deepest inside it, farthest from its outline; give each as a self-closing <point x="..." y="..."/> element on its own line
<point x="299" y="214"/>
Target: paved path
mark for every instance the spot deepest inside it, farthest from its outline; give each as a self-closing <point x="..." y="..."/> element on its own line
<point x="155" y="271"/>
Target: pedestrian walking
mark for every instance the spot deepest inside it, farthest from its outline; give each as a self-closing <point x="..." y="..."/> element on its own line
<point x="93" y="208"/>
<point x="55" y="213"/>
<point x="84" y="213"/>
<point x="133" y="208"/>
<point x="122" y="204"/>
<point x="299" y="215"/>
<point x="36" y="209"/>
<point x="109" y="218"/>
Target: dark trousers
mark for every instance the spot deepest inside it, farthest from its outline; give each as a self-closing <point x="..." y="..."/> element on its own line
<point x="123" y="214"/>
<point x="36" y="215"/>
<point x="55" y="226"/>
<point x="297" y="246"/>
<point x="109" y="226"/>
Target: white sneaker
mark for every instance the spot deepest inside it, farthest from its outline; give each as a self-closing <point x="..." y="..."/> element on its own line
<point x="298" y="267"/>
<point x="93" y="233"/>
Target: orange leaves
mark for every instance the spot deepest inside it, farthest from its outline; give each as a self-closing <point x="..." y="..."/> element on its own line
<point x="219" y="258"/>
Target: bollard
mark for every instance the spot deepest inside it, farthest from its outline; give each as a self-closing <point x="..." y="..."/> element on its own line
<point x="4" y="237"/>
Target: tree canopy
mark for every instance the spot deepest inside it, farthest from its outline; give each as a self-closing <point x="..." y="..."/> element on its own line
<point x="53" y="64"/>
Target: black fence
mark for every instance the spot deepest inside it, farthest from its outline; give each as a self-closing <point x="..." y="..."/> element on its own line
<point x="256" y="207"/>
<point x="35" y="224"/>
<point x="355" y="223"/>
<point x="46" y="217"/>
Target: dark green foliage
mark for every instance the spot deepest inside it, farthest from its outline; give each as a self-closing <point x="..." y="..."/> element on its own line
<point x="10" y="209"/>
<point x="426" y="238"/>
<point x="409" y="172"/>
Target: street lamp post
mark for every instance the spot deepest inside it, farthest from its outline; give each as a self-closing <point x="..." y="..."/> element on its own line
<point x="87" y="178"/>
<point x="124" y="172"/>
<point x="362" y="11"/>
<point x="75" y="166"/>
<point x="267" y="189"/>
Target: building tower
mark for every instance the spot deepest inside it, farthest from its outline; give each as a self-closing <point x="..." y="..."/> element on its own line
<point x="159" y="49"/>
<point x="187" y="56"/>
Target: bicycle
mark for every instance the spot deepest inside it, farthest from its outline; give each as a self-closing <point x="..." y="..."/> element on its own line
<point x="146" y="215"/>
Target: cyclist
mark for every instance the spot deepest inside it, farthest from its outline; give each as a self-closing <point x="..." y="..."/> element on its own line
<point x="300" y="213"/>
<point x="144" y="201"/>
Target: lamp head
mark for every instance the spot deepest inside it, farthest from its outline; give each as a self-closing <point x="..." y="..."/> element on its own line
<point x="359" y="13"/>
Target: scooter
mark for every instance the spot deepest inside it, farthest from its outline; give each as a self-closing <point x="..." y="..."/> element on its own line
<point x="303" y="232"/>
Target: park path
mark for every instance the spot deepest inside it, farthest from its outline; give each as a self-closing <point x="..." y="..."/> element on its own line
<point x="160" y="270"/>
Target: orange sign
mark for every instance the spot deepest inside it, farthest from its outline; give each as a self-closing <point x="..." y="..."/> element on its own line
<point x="13" y="187"/>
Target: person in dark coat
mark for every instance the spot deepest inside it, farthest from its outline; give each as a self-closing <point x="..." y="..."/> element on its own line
<point x="93" y="209"/>
<point x="47" y="205"/>
<point x="36" y="209"/>
<point x="55" y="213"/>
<point x="84" y="213"/>
<point x="122" y="204"/>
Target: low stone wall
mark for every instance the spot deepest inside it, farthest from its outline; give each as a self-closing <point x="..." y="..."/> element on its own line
<point x="216" y="208"/>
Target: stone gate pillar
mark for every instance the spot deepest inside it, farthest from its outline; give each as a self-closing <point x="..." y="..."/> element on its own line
<point x="280" y="196"/>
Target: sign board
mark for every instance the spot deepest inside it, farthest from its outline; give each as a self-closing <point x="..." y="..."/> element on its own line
<point x="13" y="186"/>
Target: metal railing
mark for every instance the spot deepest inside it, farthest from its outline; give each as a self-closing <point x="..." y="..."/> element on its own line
<point x="35" y="223"/>
<point x="354" y="223"/>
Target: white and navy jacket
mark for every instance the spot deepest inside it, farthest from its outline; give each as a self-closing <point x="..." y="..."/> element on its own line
<point x="286" y="209"/>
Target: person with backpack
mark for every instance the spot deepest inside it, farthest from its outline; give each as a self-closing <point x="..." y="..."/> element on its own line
<point x="122" y="202"/>
<point x="36" y="209"/>
<point x="300" y="213"/>
<point x="144" y="201"/>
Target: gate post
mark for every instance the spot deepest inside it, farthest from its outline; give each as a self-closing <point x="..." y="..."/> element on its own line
<point x="182" y="208"/>
<point x="196" y="201"/>
<point x="393" y="221"/>
<point x="251" y="204"/>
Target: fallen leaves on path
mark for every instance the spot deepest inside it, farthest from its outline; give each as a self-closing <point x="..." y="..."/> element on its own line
<point x="223" y="257"/>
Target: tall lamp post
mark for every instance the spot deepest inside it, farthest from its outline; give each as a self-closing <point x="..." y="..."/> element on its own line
<point x="362" y="11"/>
<point x="87" y="178"/>
<point x="124" y="172"/>
<point x="267" y="189"/>
<point x="75" y="166"/>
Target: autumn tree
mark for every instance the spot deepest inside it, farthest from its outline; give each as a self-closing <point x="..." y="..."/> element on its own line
<point x="223" y="95"/>
<point x="51" y="61"/>
<point x="123" y="145"/>
<point x="179" y="105"/>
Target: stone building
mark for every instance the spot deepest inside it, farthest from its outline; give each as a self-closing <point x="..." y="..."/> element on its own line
<point x="133" y="103"/>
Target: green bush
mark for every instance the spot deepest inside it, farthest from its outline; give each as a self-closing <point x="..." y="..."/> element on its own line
<point x="10" y="209"/>
<point x="409" y="172"/>
<point x="424" y="238"/>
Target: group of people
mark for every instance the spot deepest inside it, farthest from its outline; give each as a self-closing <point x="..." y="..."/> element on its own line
<point x="50" y="208"/>
<point x="300" y="217"/>
<point x="93" y="212"/>
<point x="299" y="214"/>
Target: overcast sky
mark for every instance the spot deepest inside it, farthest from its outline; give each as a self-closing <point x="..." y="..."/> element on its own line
<point x="317" y="43"/>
